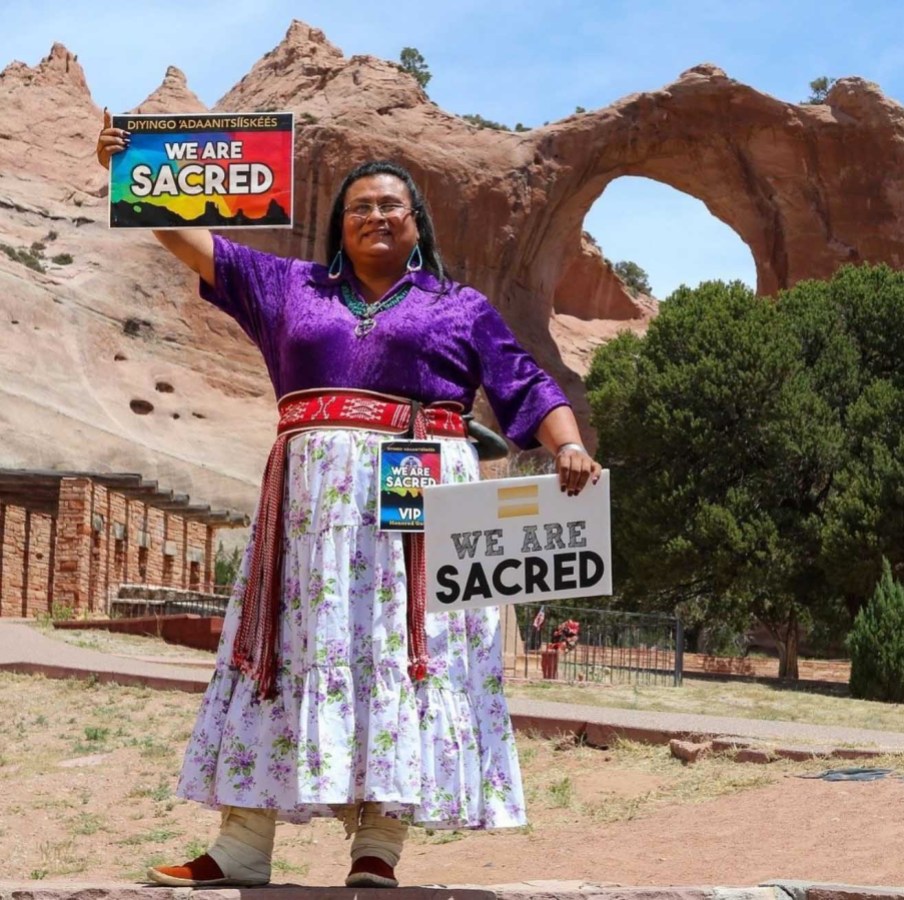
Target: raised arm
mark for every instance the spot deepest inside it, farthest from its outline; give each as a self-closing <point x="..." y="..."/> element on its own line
<point x="193" y="246"/>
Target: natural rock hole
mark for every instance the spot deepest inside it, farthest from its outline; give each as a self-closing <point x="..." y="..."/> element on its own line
<point x="137" y="327"/>
<point x="199" y="415"/>
<point x="141" y="407"/>
<point x="119" y="357"/>
<point x="164" y="387"/>
<point x="634" y="213"/>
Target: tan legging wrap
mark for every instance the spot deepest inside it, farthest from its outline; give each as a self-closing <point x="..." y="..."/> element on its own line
<point x="378" y="836"/>
<point x="244" y="846"/>
<point x="374" y="834"/>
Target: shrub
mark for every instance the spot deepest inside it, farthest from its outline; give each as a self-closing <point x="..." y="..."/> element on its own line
<point x="876" y="643"/>
<point x="480" y="122"/>
<point x="413" y="62"/>
<point x="634" y="277"/>
<point x="62" y="259"/>
<point x="227" y="566"/>
<point x="62" y="612"/>
<point x="31" y="260"/>
<point x="28" y="258"/>
<point x="819" y="90"/>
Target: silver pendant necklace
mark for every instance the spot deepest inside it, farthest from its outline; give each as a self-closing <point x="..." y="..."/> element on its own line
<point x="365" y="324"/>
<point x="365" y="312"/>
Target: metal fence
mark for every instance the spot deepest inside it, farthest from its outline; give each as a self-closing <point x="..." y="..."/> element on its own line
<point x="142" y="600"/>
<point x="604" y="647"/>
<point x="589" y="645"/>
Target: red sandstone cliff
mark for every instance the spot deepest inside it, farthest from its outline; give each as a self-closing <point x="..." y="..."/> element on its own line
<point x="805" y="187"/>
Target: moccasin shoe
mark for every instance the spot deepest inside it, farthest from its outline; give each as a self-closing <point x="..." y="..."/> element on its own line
<point x="200" y="872"/>
<point x="369" y="871"/>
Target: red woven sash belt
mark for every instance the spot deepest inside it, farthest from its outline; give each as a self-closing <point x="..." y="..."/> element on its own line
<point x="254" y="650"/>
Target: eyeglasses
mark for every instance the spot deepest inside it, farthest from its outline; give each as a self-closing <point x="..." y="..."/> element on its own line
<point x="390" y="210"/>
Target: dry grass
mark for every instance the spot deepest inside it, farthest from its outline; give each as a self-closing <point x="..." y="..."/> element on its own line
<point x="740" y="699"/>
<point x="123" y="644"/>
<point x="88" y="770"/>
<point x="733" y="698"/>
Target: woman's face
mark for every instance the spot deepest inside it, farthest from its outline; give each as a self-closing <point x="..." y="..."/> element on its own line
<point x="378" y="225"/>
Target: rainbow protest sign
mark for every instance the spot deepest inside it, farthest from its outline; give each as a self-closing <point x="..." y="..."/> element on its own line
<point x="208" y="170"/>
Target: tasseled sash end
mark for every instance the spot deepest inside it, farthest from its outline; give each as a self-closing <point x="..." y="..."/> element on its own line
<point x="255" y="649"/>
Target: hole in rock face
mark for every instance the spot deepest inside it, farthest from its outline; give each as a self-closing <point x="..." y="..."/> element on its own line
<point x="141" y="407"/>
<point x="137" y="327"/>
<point x="671" y="236"/>
<point x="199" y="415"/>
<point x="119" y="357"/>
<point x="176" y="416"/>
<point x="164" y="387"/>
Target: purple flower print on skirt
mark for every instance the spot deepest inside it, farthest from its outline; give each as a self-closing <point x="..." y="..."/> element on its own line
<point x="347" y="723"/>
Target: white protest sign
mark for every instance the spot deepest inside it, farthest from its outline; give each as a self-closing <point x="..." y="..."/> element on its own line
<point x="515" y="540"/>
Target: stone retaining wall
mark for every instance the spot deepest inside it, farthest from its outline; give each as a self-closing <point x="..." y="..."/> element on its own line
<point x="833" y="670"/>
<point x="97" y="540"/>
<point x="199" y="632"/>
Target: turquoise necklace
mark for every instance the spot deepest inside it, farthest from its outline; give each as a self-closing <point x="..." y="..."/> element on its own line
<point x="365" y="312"/>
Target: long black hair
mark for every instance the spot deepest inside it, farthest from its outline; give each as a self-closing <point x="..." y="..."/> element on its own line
<point x="430" y="252"/>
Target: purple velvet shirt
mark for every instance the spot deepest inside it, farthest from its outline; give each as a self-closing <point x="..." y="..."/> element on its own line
<point x="428" y="347"/>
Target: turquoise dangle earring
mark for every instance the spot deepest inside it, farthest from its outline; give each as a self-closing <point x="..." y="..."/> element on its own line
<point x="335" y="269"/>
<point x="415" y="259"/>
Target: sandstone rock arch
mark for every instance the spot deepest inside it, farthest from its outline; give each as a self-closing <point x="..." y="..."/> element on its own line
<point x="642" y="220"/>
<point x="790" y="180"/>
<point x="805" y="187"/>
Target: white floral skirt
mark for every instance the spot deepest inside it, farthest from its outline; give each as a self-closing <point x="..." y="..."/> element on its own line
<point x="348" y="724"/>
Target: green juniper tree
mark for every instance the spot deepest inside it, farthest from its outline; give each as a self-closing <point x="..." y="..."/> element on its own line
<point x="633" y="276"/>
<point x="819" y="89"/>
<point x="876" y="643"/>
<point x="415" y="65"/>
<point x="757" y="452"/>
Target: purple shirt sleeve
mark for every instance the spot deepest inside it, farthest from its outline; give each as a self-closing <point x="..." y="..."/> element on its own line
<point x="521" y="394"/>
<point x="432" y="346"/>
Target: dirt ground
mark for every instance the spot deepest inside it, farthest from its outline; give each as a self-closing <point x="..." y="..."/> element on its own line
<point x="87" y="774"/>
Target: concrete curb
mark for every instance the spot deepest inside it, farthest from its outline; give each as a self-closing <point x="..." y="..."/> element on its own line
<point x="750" y="742"/>
<point x="128" y="679"/>
<point x="805" y="890"/>
<point x="525" y="890"/>
<point x="751" y="750"/>
<point x="596" y="734"/>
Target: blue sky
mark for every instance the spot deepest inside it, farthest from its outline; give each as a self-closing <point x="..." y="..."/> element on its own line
<point x="529" y="61"/>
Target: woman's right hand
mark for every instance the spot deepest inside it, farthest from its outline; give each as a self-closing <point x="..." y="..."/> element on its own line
<point x="110" y="140"/>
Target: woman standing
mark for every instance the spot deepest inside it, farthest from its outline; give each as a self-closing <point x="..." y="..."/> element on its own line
<point x="333" y="694"/>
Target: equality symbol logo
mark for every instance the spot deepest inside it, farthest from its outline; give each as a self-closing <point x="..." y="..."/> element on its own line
<point x="518" y="501"/>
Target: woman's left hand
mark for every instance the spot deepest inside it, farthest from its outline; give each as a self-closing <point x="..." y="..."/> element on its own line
<point x="575" y="467"/>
